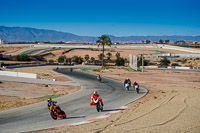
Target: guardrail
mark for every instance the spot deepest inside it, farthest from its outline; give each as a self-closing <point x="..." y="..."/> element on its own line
<point x="172" y="67"/>
<point x="25" y="65"/>
<point x="18" y="74"/>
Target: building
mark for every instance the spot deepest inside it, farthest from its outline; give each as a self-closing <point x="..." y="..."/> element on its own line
<point x="1" y="41"/>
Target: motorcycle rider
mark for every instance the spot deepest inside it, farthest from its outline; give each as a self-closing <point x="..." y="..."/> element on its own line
<point x="51" y="102"/>
<point x="98" y="77"/>
<point x="135" y="83"/>
<point x="127" y="80"/>
<point x="95" y="95"/>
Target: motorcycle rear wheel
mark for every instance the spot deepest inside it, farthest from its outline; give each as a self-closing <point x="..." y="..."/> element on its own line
<point x="63" y="114"/>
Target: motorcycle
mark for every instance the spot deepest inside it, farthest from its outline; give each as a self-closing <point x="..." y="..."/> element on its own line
<point x="98" y="103"/>
<point x="136" y="87"/>
<point x="127" y="86"/>
<point x="56" y="112"/>
<point x="99" y="79"/>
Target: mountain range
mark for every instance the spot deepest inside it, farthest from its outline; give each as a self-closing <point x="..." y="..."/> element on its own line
<point x="25" y="34"/>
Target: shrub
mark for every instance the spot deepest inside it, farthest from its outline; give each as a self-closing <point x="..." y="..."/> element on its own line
<point x="96" y="70"/>
<point x="139" y="62"/>
<point x="164" y="62"/>
<point x="175" y="64"/>
<point x="120" y="61"/>
<point x="61" y="59"/>
<point x="78" y="59"/>
<point x="183" y="61"/>
<point x="51" y="61"/>
<point x="23" y="58"/>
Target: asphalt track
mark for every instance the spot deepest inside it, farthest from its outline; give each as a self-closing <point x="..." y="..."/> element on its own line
<point x="36" y="116"/>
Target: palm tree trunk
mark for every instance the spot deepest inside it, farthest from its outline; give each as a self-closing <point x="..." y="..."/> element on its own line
<point x="103" y="57"/>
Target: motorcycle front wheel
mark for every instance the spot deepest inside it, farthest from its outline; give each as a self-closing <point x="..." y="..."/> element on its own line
<point x="137" y="90"/>
<point x="53" y="115"/>
<point x="97" y="107"/>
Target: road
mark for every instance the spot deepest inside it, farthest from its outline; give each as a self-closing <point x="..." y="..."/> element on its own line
<point x="36" y="116"/>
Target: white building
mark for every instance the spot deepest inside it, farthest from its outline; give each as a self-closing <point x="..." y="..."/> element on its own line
<point x="1" y="41"/>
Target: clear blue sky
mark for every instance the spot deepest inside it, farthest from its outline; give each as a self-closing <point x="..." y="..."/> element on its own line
<point x="97" y="17"/>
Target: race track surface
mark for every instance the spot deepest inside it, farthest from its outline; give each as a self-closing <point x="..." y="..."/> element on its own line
<point x="37" y="117"/>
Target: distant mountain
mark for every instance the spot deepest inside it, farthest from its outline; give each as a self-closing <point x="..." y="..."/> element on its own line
<point x="24" y="34"/>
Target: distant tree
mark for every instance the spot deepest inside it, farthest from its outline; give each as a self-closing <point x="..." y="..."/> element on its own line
<point x="167" y="41"/>
<point x="100" y="56"/>
<point x="87" y="57"/>
<point x="148" y="41"/>
<point x="109" y="55"/>
<point x="161" y="41"/>
<point x="139" y="62"/>
<point x="103" y="40"/>
<point x="69" y="60"/>
<point x="92" y="59"/>
<point x="164" y="62"/>
<point x="143" y="42"/>
<point x="78" y="59"/>
<point x="181" y="42"/>
<point x="51" y="61"/>
<point x="120" y="61"/>
<point x="61" y="59"/>
<point x="117" y="55"/>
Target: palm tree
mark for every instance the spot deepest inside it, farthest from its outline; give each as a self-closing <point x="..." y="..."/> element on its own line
<point x="117" y="55"/>
<point x="109" y="55"/>
<point x="103" y="40"/>
<point x="92" y="59"/>
<point x="87" y="57"/>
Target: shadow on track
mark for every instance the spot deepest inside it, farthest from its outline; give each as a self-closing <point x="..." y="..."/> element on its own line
<point x="110" y="110"/>
<point x="75" y="117"/>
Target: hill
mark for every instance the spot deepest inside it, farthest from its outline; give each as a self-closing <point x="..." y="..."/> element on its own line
<point x="25" y="34"/>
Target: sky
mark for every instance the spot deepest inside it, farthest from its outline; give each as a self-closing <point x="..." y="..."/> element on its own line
<point x="110" y="17"/>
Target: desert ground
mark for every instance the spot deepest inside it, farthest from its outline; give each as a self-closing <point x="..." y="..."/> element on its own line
<point x="171" y="106"/>
<point x="14" y="94"/>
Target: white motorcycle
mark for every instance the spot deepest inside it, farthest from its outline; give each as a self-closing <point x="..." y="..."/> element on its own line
<point x="136" y="87"/>
<point x="127" y="86"/>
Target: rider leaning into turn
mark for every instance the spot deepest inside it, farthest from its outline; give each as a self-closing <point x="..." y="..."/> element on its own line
<point x="127" y="80"/>
<point x="95" y="95"/>
<point x="51" y="102"/>
<point x="98" y="76"/>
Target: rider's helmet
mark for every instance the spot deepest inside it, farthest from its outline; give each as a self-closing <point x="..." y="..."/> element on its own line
<point x="49" y="99"/>
<point x="127" y="78"/>
<point x="95" y="92"/>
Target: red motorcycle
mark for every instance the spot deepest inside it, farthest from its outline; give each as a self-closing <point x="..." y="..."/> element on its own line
<point x="98" y="103"/>
<point x="99" y="78"/>
<point x="56" y="112"/>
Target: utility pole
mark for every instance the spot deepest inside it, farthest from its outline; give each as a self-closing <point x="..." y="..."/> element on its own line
<point x="142" y="65"/>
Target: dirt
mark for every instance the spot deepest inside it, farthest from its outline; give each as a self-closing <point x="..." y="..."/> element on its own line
<point x="43" y="72"/>
<point x="9" y="50"/>
<point x="13" y="94"/>
<point x="171" y="106"/>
